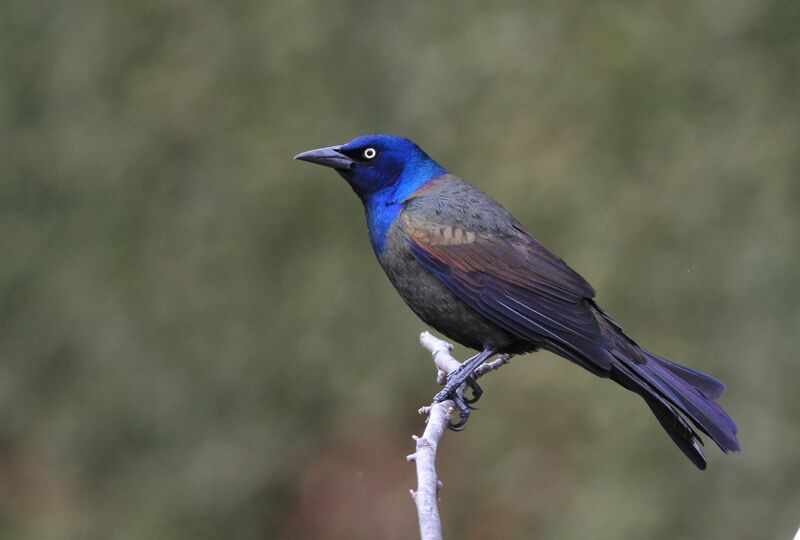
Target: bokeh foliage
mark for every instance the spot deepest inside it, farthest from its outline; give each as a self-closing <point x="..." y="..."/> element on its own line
<point x="196" y="341"/>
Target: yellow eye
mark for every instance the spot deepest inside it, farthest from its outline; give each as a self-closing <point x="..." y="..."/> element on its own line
<point x="370" y="153"/>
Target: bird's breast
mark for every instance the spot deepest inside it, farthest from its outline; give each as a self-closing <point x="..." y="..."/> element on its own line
<point x="429" y="298"/>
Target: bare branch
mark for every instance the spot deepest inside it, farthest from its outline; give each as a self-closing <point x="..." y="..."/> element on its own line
<point x="439" y="416"/>
<point x="499" y="362"/>
<point x="427" y="494"/>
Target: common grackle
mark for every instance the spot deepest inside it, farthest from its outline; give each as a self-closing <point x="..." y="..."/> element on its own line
<point x="467" y="268"/>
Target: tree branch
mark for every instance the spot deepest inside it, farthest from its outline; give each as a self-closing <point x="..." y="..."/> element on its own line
<point x="439" y="416"/>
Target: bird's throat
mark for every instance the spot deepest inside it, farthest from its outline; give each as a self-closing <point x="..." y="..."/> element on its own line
<point x="384" y="206"/>
<point x="381" y="213"/>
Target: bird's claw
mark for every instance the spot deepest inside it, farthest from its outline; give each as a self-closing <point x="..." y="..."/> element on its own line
<point x="463" y="412"/>
<point x="461" y="404"/>
<point x="477" y="392"/>
<point x="456" y="378"/>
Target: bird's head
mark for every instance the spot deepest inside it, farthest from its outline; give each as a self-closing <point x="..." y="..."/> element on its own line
<point x="378" y="164"/>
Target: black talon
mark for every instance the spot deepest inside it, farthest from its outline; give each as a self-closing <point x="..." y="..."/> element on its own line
<point x="463" y="411"/>
<point x="477" y="392"/>
<point x="459" y="426"/>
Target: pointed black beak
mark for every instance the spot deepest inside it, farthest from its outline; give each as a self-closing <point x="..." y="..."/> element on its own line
<point x="328" y="157"/>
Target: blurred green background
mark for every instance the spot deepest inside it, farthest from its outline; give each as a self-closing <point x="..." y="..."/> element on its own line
<point x="195" y="338"/>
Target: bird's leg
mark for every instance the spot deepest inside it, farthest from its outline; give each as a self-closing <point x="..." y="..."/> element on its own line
<point x="458" y="377"/>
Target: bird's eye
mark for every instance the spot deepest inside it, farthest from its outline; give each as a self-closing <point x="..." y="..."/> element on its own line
<point x="370" y="153"/>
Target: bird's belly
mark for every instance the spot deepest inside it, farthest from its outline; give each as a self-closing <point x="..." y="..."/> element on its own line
<point x="436" y="305"/>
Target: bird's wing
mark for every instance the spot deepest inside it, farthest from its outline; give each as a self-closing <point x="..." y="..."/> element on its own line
<point x="514" y="281"/>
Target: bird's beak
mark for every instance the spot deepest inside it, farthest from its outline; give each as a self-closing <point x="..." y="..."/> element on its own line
<point x="328" y="157"/>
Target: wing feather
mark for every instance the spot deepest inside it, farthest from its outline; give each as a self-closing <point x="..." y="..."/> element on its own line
<point x="516" y="283"/>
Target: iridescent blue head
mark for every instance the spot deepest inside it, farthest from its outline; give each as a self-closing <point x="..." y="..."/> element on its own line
<point x="377" y="164"/>
<point x="383" y="170"/>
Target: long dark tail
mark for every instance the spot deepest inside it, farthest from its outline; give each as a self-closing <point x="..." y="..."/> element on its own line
<point x="675" y="393"/>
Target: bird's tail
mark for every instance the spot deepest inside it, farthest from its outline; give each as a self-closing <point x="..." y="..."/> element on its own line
<point x="675" y="393"/>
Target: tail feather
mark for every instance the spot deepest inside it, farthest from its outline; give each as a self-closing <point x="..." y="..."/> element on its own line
<point x="707" y="415"/>
<point x="673" y="391"/>
<point x="708" y="385"/>
<point x="678" y="429"/>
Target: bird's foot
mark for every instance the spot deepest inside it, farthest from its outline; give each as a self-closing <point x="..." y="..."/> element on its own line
<point x="457" y="377"/>
<point x="463" y="413"/>
<point x="460" y="402"/>
<point x="477" y="391"/>
<point x="453" y="382"/>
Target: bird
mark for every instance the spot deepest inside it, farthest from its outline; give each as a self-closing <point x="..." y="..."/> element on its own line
<point x="471" y="271"/>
